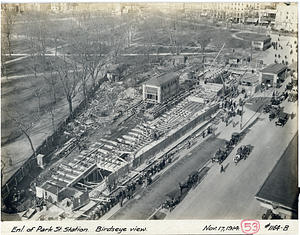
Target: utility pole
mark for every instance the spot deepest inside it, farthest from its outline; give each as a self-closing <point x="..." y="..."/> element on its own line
<point x="241" y="124"/>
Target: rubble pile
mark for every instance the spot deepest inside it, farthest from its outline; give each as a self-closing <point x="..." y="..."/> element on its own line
<point x="128" y="98"/>
<point x="110" y="100"/>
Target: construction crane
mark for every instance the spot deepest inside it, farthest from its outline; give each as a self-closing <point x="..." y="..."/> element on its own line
<point x="216" y="56"/>
<point x="220" y="74"/>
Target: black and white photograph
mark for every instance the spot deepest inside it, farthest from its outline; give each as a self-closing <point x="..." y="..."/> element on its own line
<point x="149" y="111"/>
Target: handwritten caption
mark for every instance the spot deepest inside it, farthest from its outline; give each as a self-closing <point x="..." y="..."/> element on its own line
<point x="247" y="227"/>
<point x="77" y="229"/>
<point x="220" y="228"/>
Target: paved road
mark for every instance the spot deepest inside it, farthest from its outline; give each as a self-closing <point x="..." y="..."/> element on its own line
<point x="230" y="195"/>
<point x="142" y="206"/>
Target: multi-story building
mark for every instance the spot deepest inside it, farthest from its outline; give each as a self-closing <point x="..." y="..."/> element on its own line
<point x="287" y="17"/>
<point x="238" y="12"/>
<point x="56" y="7"/>
<point x="23" y="7"/>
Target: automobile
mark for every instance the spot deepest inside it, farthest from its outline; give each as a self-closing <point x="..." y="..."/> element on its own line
<point x="282" y="119"/>
<point x="267" y="108"/>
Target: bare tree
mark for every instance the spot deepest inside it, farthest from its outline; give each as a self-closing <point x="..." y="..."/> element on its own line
<point x="38" y="91"/>
<point x="50" y="108"/>
<point x="7" y="24"/>
<point x="66" y="72"/>
<point x="51" y="79"/>
<point x="4" y="59"/>
<point x="19" y="121"/>
<point x="171" y="29"/>
<point x="203" y="40"/>
<point x="38" y="28"/>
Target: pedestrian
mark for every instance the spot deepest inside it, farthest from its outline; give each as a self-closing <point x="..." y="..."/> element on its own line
<point x="222" y="169"/>
<point x="213" y="133"/>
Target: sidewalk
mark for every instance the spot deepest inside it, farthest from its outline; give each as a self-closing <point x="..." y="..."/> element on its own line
<point x="231" y="195"/>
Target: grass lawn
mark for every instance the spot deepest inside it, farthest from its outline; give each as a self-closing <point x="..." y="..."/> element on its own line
<point x="18" y="94"/>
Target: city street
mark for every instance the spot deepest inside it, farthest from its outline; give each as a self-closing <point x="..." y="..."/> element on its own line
<point x="143" y="205"/>
<point x="230" y="195"/>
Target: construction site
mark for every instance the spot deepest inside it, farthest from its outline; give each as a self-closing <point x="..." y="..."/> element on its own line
<point x="122" y="130"/>
<point x="135" y="124"/>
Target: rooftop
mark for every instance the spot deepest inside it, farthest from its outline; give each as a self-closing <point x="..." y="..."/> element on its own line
<point x="261" y="38"/>
<point x="51" y="187"/>
<point x="281" y="185"/>
<point x="274" y="68"/>
<point x="158" y="81"/>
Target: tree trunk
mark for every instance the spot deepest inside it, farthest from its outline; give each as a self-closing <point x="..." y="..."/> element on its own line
<point x="39" y="106"/>
<point x="70" y="104"/>
<point x="54" y="95"/>
<point x="29" y="139"/>
<point x="52" y="119"/>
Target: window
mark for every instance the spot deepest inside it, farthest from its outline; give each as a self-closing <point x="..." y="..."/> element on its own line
<point x="287" y="17"/>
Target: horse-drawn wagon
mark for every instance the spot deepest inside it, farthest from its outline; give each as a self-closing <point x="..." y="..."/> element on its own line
<point x="242" y="153"/>
<point x="282" y="119"/>
<point x="173" y="199"/>
<point x="220" y="155"/>
<point x="235" y="137"/>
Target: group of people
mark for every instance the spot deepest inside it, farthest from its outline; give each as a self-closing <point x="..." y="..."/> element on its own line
<point x="276" y="45"/>
<point x="127" y="191"/>
<point x="230" y="106"/>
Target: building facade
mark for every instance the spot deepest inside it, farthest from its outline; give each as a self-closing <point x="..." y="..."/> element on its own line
<point x="272" y="74"/>
<point x="159" y="89"/>
<point x="287" y="17"/>
<point x="261" y="43"/>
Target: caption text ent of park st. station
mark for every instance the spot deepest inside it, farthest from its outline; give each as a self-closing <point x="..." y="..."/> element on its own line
<point x="77" y="229"/>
